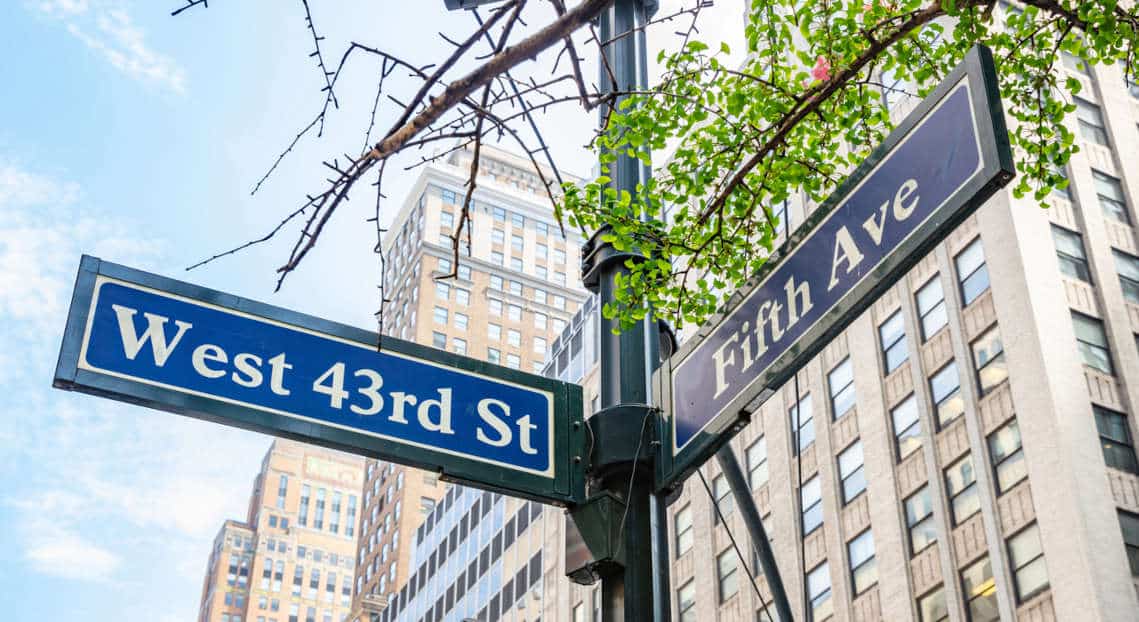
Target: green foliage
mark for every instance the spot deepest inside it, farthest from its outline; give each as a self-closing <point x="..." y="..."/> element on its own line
<point x="805" y="108"/>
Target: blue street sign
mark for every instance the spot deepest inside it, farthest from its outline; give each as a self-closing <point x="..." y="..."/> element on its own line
<point x="144" y="339"/>
<point x="948" y="156"/>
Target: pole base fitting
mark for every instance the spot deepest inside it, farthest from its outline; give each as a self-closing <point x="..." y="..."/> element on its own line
<point x="622" y="438"/>
<point x="597" y="255"/>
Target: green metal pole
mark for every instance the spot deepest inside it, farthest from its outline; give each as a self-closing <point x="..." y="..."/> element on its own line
<point x="626" y="424"/>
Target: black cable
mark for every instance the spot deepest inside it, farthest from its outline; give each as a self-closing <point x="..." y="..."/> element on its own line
<point x="799" y="468"/>
<point x="732" y="538"/>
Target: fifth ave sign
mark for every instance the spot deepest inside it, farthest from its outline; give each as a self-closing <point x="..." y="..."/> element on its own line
<point x="935" y="169"/>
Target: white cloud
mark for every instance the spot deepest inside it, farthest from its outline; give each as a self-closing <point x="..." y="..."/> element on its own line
<point x="99" y="490"/>
<point x="108" y="30"/>
<point x="69" y="556"/>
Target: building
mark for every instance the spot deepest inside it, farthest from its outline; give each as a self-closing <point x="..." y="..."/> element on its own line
<point x="291" y="560"/>
<point x="513" y="293"/>
<point x="964" y="451"/>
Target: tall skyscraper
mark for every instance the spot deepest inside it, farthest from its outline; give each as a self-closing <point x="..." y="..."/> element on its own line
<point x="964" y="451"/>
<point x="515" y="290"/>
<point x="292" y="558"/>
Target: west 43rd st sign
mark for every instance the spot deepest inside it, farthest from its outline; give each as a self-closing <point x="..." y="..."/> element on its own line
<point x="162" y="343"/>
<point x="935" y="169"/>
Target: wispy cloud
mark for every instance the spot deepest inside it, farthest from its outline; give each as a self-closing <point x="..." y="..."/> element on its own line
<point x="108" y="30"/>
<point x="99" y="490"/>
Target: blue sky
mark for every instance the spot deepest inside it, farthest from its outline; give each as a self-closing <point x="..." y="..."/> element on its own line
<point x="136" y="136"/>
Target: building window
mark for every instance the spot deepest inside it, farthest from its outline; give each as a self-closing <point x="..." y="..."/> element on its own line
<point x="932" y="607"/>
<point x="727" y="577"/>
<point x="440" y="315"/>
<point x="1129" y="524"/>
<point x="1007" y="455"/>
<point x="811" y="500"/>
<point x="540" y="320"/>
<point x="919" y="520"/>
<point x="1070" y="252"/>
<point x="1110" y="193"/>
<point x="907" y="427"/>
<point x="517" y="220"/>
<point x="514" y="313"/>
<point x="516" y="264"/>
<point x="989" y="360"/>
<point x="540" y="346"/>
<point x="516" y="242"/>
<point x="684" y="533"/>
<point x="494" y="307"/>
<point x="496" y="283"/>
<point x="863" y="567"/>
<point x="972" y="272"/>
<point x="439" y="340"/>
<point x="463" y="297"/>
<point x="892" y="333"/>
<point x="1091" y="122"/>
<point x="850" y="469"/>
<point x="516" y="288"/>
<point x="802" y="427"/>
<point x="282" y="490"/>
<point x="841" y="383"/>
<point x="1115" y="439"/>
<point x="1075" y="63"/>
<point x="513" y="361"/>
<point x="961" y="485"/>
<point x="444" y="267"/>
<point x="819" y="592"/>
<point x="499" y="214"/>
<point x="497" y="258"/>
<point x="980" y="592"/>
<point x="513" y="337"/>
<point x="1128" y="268"/>
<point x="461" y="321"/>
<point x="931" y="308"/>
<point x="459" y="346"/>
<point x="724" y="500"/>
<point x="945" y="387"/>
<point x="464" y="272"/>
<point x="493" y="355"/>
<point x="1027" y="557"/>
<point x="1092" y="342"/>
<point x="541" y="228"/>
<point x="686" y="601"/>
<point x="756" y="455"/>
<point x="442" y="290"/>
<point x="494" y="332"/>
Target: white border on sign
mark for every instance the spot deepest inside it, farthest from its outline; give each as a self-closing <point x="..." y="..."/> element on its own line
<point x="980" y="166"/>
<point x="84" y="365"/>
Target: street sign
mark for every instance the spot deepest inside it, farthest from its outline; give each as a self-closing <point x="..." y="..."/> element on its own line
<point x="934" y="169"/>
<point x="149" y="340"/>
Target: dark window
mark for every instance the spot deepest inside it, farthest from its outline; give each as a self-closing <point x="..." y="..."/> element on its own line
<point x="989" y="360"/>
<point x="1092" y="342"/>
<point x="945" y="387"/>
<point x="980" y="592"/>
<point x="1027" y="557"/>
<point x="1070" y="252"/>
<point x="1008" y="456"/>
<point x="840" y="381"/>
<point x="961" y="485"/>
<point x="919" y="520"/>
<point x="852" y="471"/>
<point x="1111" y="199"/>
<point x="892" y="333"/>
<point x="972" y="271"/>
<point x="1091" y="122"/>
<point x="931" y="308"/>
<point x="1128" y="268"/>
<point x="1115" y="439"/>
<point x="907" y="427"/>
<point x="1129" y="524"/>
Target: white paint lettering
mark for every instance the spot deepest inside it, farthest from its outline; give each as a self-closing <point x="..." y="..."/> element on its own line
<point x="249" y="365"/>
<point x="495" y="421"/>
<point x="721" y="362"/>
<point x="443" y="406"/>
<point x="845" y="250"/>
<point x="208" y="352"/>
<point x="901" y="211"/>
<point x="277" y="375"/>
<point x="155" y="333"/>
